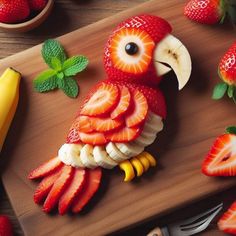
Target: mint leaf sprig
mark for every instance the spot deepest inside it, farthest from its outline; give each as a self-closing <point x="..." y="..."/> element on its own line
<point x="61" y="70"/>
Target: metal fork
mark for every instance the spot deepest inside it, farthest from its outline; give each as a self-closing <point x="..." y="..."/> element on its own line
<point x="190" y="226"/>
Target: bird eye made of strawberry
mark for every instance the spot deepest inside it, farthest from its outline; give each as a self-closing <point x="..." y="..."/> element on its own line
<point x="141" y="49"/>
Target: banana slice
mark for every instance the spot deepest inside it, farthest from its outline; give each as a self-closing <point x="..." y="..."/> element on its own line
<point x="150" y="158"/>
<point x="137" y="166"/>
<point x="102" y="159"/>
<point x="144" y="141"/>
<point x="130" y="149"/>
<point x="115" y="153"/>
<point x="86" y="156"/>
<point x="172" y="52"/>
<point x="145" y="162"/>
<point x="127" y="167"/>
<point x="63" y="154"/>
<point x="70" y="154"/>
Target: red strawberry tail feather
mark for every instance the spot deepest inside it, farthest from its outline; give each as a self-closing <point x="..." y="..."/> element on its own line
<point x="64" y="186"/>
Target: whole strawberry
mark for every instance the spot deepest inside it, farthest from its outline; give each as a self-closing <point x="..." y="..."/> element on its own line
<point x="206" y="11"/>
<point x="13" y="11"/>
<point x="227" y="72"/>
<point x="37" y="5"/>
<point x="5" y="226"/>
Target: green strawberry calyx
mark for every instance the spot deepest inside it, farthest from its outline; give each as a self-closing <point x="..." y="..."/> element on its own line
<point x="228" y="8"/>
<point x="222" y="88"/>
<point x="231" y="130"/>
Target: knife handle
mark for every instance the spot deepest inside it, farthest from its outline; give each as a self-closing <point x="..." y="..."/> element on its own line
<point x="155" y="232"/>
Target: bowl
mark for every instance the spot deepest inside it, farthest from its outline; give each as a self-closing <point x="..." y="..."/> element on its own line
<point x="29" y="24"/>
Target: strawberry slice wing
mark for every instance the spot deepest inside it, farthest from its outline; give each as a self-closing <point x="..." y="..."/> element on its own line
<point x="112" y="112"/>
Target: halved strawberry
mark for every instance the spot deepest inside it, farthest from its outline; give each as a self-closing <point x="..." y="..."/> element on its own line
<point x="82" y="123"/>
<point x="221" y="160"/>
<point x="125" y="134"/>
<point x="45" y="186"/>
<point x="102" y="100"/>
<point x="123" y="104"/>
<point x="140" y="109"/>
<point x="91" y="186"/>
<point x="94" y="138"/>
<point x="105" y="124"/>
<point x="46" y="168"/>
<point x="227" y="222"/>
<point x="58" y="188"/>
<point x="72" y="191"/>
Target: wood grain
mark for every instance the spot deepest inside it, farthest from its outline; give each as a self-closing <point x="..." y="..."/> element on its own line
<point x="194" y="120"/>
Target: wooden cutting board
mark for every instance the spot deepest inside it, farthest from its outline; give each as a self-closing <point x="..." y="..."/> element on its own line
<point x="194" y="120"/>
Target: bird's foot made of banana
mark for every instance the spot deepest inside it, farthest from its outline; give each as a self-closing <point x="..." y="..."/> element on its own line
<point x="137" y="165"/>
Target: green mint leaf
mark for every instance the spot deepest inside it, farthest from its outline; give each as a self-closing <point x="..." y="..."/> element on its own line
<point x="231" y="130"/>
<point x="234" y="96"/>
<point x="53" y="49"/>
<point x="45" y="81"/>
<point x="74" y="65"/>
<point x="60" y="75"/>
<point x="69" y="86"/>
<point x="219" y="90"/>
<point x="230" y="91"/>
<point x="56" y="64"/>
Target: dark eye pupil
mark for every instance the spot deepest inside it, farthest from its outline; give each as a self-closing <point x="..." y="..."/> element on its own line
<point x="131" y="48"/>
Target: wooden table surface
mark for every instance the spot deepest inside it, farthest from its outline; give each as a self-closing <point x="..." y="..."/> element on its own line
<point x="67" y="16"/>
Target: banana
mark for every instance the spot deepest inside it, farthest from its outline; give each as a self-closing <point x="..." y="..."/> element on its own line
<point x="86" y="156"/>
<point x="127" y="167"/>
<point x="130" y="149"/>
<point x="9" y="97"/>
<point x="70" y="154"/>
<point x="172" y="52"/>
<point x="150" y="158"/>
<point x="137" y="165"/>
<point x="115" y="153"/>
<point x="102" y="159"/>
<point x="145" y="162"/>
<point x="144" y="141"/>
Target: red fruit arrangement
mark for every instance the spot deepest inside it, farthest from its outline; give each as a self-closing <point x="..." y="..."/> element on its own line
<point x="210" y="11"/>
<point x="16" y="11"/>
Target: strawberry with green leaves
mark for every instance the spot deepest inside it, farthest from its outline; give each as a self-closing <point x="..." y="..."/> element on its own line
<point x="210" y="11"/>
<point x="227" y="73"/>
<point x="61" y="70"/>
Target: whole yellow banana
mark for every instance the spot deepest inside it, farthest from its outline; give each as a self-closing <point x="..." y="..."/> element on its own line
<point x="9" y="97"/>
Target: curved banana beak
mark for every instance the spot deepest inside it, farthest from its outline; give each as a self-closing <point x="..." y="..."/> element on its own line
<point x="171" y="54"/>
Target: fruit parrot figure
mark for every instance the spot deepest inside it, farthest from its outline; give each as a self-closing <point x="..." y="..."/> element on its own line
<point x="120" y="116"/>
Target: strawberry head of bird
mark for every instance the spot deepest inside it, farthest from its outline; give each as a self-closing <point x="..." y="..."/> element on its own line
<point x="142" y="50"/>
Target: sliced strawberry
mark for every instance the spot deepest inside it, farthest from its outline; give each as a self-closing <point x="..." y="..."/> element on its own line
<point x="123" y="104"/>
<point x="73" y="136"/>
<point x="45" y="186"/>
<point x="227" y="222"/>
<point x="91" y="186"/>
<point x="58" y="188"/>
<point x="102" y="100"/>
<point x="105" y="124"/>
<point x="124" y="51"/>
<point x="221" y="160"/>
<point x="46" y="168"/>
<point x="72" y="191"/>
<point x="123" y="135"/>
<point x="82" y="123"/>
<point x="140" y="109"/>
<point x="94" y="138"/>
